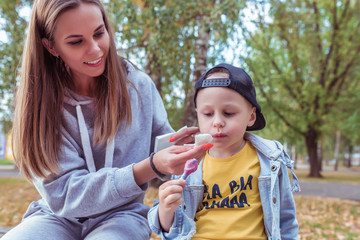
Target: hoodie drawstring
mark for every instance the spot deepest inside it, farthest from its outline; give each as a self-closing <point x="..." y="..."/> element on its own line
<point x="85" y="140"/>
<point x="110" y="146"/>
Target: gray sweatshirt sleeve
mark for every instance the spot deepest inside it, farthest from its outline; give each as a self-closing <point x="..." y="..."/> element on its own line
<point x="76" y="192"/>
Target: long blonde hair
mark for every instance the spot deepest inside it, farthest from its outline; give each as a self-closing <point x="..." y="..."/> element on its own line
<point x="40" y="94"/>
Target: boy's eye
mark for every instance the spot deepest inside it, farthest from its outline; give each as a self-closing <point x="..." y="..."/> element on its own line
<point x="228" y="113"/>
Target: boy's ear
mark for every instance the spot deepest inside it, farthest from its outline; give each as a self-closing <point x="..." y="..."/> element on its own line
<point x="49" y="46"/>
<point x="252" y="117"/>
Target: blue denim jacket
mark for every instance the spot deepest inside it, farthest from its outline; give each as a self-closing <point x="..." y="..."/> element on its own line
<point x="275" y="192"/>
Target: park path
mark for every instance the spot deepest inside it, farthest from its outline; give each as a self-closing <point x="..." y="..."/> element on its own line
<point x="350" y="191"/>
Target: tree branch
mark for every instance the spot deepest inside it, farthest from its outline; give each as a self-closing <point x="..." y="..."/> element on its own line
<point x="269" y="100"/>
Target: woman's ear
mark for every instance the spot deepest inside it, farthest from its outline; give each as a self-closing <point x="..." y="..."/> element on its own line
<point x="49" y="46"/>
<point x="252" y="118"/>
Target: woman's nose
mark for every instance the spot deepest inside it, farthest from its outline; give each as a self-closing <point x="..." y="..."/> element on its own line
<point x="93" y="47"/>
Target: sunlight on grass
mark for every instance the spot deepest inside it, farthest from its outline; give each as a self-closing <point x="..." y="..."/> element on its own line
<point x="327" y="218"/>
<point x="16" y="195"/>
<point x="319" y="218"/>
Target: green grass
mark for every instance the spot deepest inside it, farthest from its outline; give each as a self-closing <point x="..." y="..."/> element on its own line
<point x="6" y="162"/>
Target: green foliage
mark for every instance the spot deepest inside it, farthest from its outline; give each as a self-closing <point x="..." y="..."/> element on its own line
<point x="304" y="56"/>
<point x="14" y="27"/>
<point x="164" y="33"/>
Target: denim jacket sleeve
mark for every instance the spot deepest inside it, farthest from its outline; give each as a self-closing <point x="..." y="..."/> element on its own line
<point x="289" y="227"/>
<point x="182" y="228"/>
<point x="277" y="200"/>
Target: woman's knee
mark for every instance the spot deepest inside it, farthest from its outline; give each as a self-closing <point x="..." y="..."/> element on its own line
<point x="40" y="228"/>
<point x="121" y="228"/>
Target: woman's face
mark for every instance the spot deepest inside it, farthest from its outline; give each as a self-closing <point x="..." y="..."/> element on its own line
<point x="82" y="42"/>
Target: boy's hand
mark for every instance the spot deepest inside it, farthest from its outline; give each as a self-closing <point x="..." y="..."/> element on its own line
<point x="170" y="199"/>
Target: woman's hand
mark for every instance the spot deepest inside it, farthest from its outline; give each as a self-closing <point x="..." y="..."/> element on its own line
<point x="172" y="160"/>
<point x="170" y="199"/>
<point x="185" y="136"/>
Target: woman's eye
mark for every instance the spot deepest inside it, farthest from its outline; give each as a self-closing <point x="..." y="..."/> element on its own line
<point x="208" y="114"/>
<point x="99" y="34"/>
<point x="228" y="113"/>
<point x="75" y="42"/>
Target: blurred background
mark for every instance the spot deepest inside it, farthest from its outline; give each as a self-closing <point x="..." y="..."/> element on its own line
<point x="303" y="56"/>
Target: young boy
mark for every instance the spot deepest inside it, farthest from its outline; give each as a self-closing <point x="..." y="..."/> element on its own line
<point x="241" y="189"/>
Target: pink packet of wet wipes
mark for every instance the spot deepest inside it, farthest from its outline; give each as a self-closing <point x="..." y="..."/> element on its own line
<point x="190" y="167"/>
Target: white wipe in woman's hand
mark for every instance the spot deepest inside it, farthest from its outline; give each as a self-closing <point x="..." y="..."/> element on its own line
<point x="203" y="138"/>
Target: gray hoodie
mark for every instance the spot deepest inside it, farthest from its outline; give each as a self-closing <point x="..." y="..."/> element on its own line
<point x="99" y="179"/>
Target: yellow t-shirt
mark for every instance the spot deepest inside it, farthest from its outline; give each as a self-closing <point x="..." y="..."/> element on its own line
<point x="231" y="208"/>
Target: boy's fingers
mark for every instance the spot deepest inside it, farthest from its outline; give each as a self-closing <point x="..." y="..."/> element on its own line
<point x="172" y="191"/>
<point x="174" y="199"/>
<point x="169" y="184"/>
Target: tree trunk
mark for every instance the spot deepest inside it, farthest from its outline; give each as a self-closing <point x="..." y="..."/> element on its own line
<point x="311" y="140"/>
<point x="337" y="149"/>
<point x="201" y="48"/>
<point x="349" y="164"/>
<point x="153" y="69"/>
<point x="319" y="155"/>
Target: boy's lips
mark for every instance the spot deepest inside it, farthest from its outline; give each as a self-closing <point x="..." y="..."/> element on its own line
<point x="219" y="135"/>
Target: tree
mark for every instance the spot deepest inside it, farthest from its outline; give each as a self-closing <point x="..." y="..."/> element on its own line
<point x="174" y="38"/>
<point x="10" y="52"/>
<point x="304" y="56"/>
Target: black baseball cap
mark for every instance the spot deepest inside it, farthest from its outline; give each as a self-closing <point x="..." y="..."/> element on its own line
<point x="239" y="81"/>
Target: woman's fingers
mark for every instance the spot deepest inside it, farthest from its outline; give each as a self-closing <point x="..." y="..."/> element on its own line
<point x="185" y="135"/>
<point x="172" y="160"/>
<point x="184" y="153"/>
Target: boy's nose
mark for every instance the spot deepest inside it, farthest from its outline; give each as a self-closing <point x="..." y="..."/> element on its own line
<point x="218" y="122"/>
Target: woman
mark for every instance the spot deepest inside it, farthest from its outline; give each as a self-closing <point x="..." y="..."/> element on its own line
<point x="84" y="125"/>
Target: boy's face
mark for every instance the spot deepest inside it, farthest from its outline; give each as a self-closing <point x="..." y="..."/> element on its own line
<point x="225" y="114"/>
